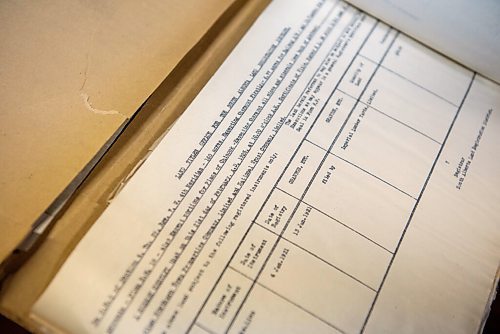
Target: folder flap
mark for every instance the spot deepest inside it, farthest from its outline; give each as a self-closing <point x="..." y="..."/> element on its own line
<point x="72" y="72"/>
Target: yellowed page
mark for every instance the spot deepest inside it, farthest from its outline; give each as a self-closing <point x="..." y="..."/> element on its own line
<point x="333" y="176"/>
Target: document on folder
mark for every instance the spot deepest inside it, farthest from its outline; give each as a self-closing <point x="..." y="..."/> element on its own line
<point x="334" y="176"/>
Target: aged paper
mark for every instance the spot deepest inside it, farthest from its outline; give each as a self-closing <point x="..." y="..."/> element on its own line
<point x="334" y="176"/>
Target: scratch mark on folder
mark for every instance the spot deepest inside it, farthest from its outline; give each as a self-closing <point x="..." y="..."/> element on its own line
<point x="88" y="105"/>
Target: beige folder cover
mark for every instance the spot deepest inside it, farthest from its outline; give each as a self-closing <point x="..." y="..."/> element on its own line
<point x="72" y="73"/>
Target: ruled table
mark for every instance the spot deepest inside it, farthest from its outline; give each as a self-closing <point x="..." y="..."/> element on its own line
<point x="334" y="219"/>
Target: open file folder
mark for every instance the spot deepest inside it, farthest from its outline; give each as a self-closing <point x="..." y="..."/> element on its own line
<point x="371" y="64"/>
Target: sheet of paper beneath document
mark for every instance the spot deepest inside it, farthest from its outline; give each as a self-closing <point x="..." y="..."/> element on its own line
<point x="333" y="176"/>
<point x="467" y="31"/>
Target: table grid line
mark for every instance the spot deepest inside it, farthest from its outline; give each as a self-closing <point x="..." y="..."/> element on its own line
<point x="291" y="109"/>
<point x="417" y="202"/>
<point x="314" y="31"/>
<point x="336" y="220"/>
<point x="318" y="257"/>
<point x="293" y="156"/>
<point x="411" y="81"/>
<point x="362" y="169"/>
<point x="373" y="175"/>
<point x="319" y="167"/>
<point x="290" y="301"/>
<point x="393" y="118"/>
